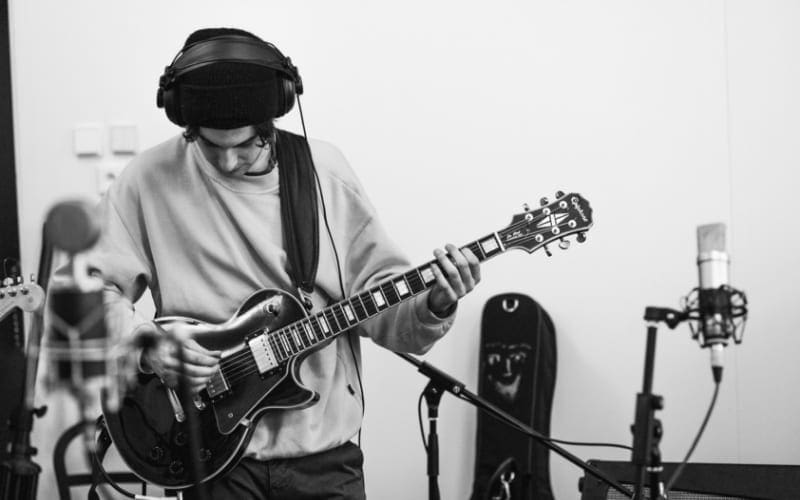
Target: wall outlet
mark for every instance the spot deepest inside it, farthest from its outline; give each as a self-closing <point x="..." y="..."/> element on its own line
<point x="107" y="172"/>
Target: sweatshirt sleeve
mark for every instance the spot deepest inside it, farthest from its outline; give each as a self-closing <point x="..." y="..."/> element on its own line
<point x="373" y="257"/>
<point x="120" y="260"/>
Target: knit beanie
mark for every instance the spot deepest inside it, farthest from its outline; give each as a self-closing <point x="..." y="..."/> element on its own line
<point x="228" y="95"/>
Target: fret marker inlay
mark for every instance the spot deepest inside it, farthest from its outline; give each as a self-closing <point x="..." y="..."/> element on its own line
<point x="348" y="311"/>
<point x="489" y="245"/>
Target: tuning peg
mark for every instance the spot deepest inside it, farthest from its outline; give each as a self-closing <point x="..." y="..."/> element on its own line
<point x="547" y="251"/>
<point x="526" y="207"/>
<point x="559" y="194"/>
<point x="581" y="237"/>
<point x="544" y="201"/>
<point x="563" y="244"/>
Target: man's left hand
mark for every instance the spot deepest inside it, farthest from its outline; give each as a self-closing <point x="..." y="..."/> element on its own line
<point x="457" y="273"/>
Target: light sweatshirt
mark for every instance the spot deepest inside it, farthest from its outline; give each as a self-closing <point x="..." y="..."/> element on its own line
<point x="203" y="242"/>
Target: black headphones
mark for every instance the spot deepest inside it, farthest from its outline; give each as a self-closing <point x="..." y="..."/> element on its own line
<point x="227" y="49"/>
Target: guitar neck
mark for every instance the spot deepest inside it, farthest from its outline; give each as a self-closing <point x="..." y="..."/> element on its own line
<point x="343" y="315"/>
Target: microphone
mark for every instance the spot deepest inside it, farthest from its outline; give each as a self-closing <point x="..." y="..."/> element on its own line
<point x="77" y="340"/>
<point x="717" y="304"/>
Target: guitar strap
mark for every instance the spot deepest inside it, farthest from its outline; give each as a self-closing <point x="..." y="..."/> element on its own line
<point x="299" y="211"/>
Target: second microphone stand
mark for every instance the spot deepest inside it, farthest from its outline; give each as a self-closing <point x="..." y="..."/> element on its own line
<point x="441" y="382"/>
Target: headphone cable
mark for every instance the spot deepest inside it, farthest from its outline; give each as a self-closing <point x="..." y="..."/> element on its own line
<point x="338" y="265"/>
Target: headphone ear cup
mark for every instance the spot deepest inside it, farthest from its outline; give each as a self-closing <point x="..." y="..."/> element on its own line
<point x="169" y="99"/>
<point x="286" y="96"/>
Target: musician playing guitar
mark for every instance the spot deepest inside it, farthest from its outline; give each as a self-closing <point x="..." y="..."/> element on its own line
<point x="198" y="221"/>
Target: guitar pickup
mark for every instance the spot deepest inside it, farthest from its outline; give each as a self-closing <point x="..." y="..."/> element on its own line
<point x="262" y="353"/>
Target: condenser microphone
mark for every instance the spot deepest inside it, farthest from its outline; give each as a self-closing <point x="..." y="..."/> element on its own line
<point x="715" y="315"/>
<point x="77" y="341"/>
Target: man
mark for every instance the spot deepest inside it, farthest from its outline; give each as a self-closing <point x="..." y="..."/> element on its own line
<point x="197" y="219"/>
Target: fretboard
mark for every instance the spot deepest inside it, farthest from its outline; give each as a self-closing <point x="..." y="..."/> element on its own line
<point x="304" y="334"/>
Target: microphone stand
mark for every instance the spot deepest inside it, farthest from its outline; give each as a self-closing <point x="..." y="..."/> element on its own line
<point x="647" y="430"/>
<point x="441" y="381"/>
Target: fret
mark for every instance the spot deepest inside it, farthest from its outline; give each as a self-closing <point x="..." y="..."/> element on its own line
<point x="349" y="313"/>
<point x="402" y="287"/>
<point x="323" y="322"/>
<point x="392" y="297"/>
<point x="427" y="274"/>
<point x="278" y="346"/>
<point x="340" y="316"/>
<point x="415" y="281"/>
<point x="290" y="341"/>
<point x="379" y="299"/>
<point x="318" y="330"/>
<point x="285" y="343"/>
<point x="333" y="321"/>
<point x="491" y="245"/>
<point x="477" y="250"/>
<point x="310" y="333"/>
<point x="359" y="308"/>
<point x="302" y="334"/>
<point x="297" y="339"/>
<point x="369" y="305"/>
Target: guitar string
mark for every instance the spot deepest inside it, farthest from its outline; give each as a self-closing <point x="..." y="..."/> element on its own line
<point x="243" y="367"/>
<point x="244" y="355"/>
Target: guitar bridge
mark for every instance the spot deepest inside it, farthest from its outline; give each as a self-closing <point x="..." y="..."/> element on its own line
<point x="217" y="385"/>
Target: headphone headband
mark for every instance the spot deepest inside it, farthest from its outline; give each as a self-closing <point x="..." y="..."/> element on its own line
<point x="227" y="49"/>
<point x="231" y="48"/>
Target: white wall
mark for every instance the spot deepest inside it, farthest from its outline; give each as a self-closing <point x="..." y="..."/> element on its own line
<point x="664" y="115"/>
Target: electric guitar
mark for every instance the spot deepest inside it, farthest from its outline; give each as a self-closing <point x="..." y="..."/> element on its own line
<point x="27" y="296"/>
<point x="262" y="346"/>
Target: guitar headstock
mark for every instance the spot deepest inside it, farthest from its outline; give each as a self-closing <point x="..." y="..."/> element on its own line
<point x="552" y="221"/>
<point x="27" y="296"/>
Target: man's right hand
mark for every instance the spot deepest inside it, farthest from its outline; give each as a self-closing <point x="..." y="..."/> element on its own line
<point x="199" y="363"/>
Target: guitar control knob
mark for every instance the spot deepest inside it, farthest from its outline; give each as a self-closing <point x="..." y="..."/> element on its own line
<point x="205" y="454"/>
<point x="180" y="438"/>
<point x="526" y="207"/>
<point x="559" y="194"/>
<point x="563" y="244"/>
<point x="581" y="237"/>
<point x="176" y="468"/>
<point x="544" y="201"/>
<point x="156" y="453"/>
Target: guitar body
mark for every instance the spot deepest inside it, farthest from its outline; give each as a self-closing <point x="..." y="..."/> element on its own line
<point x="155" y="444"/>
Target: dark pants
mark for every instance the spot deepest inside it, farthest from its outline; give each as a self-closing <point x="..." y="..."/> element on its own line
<point x="333" y="474"/>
